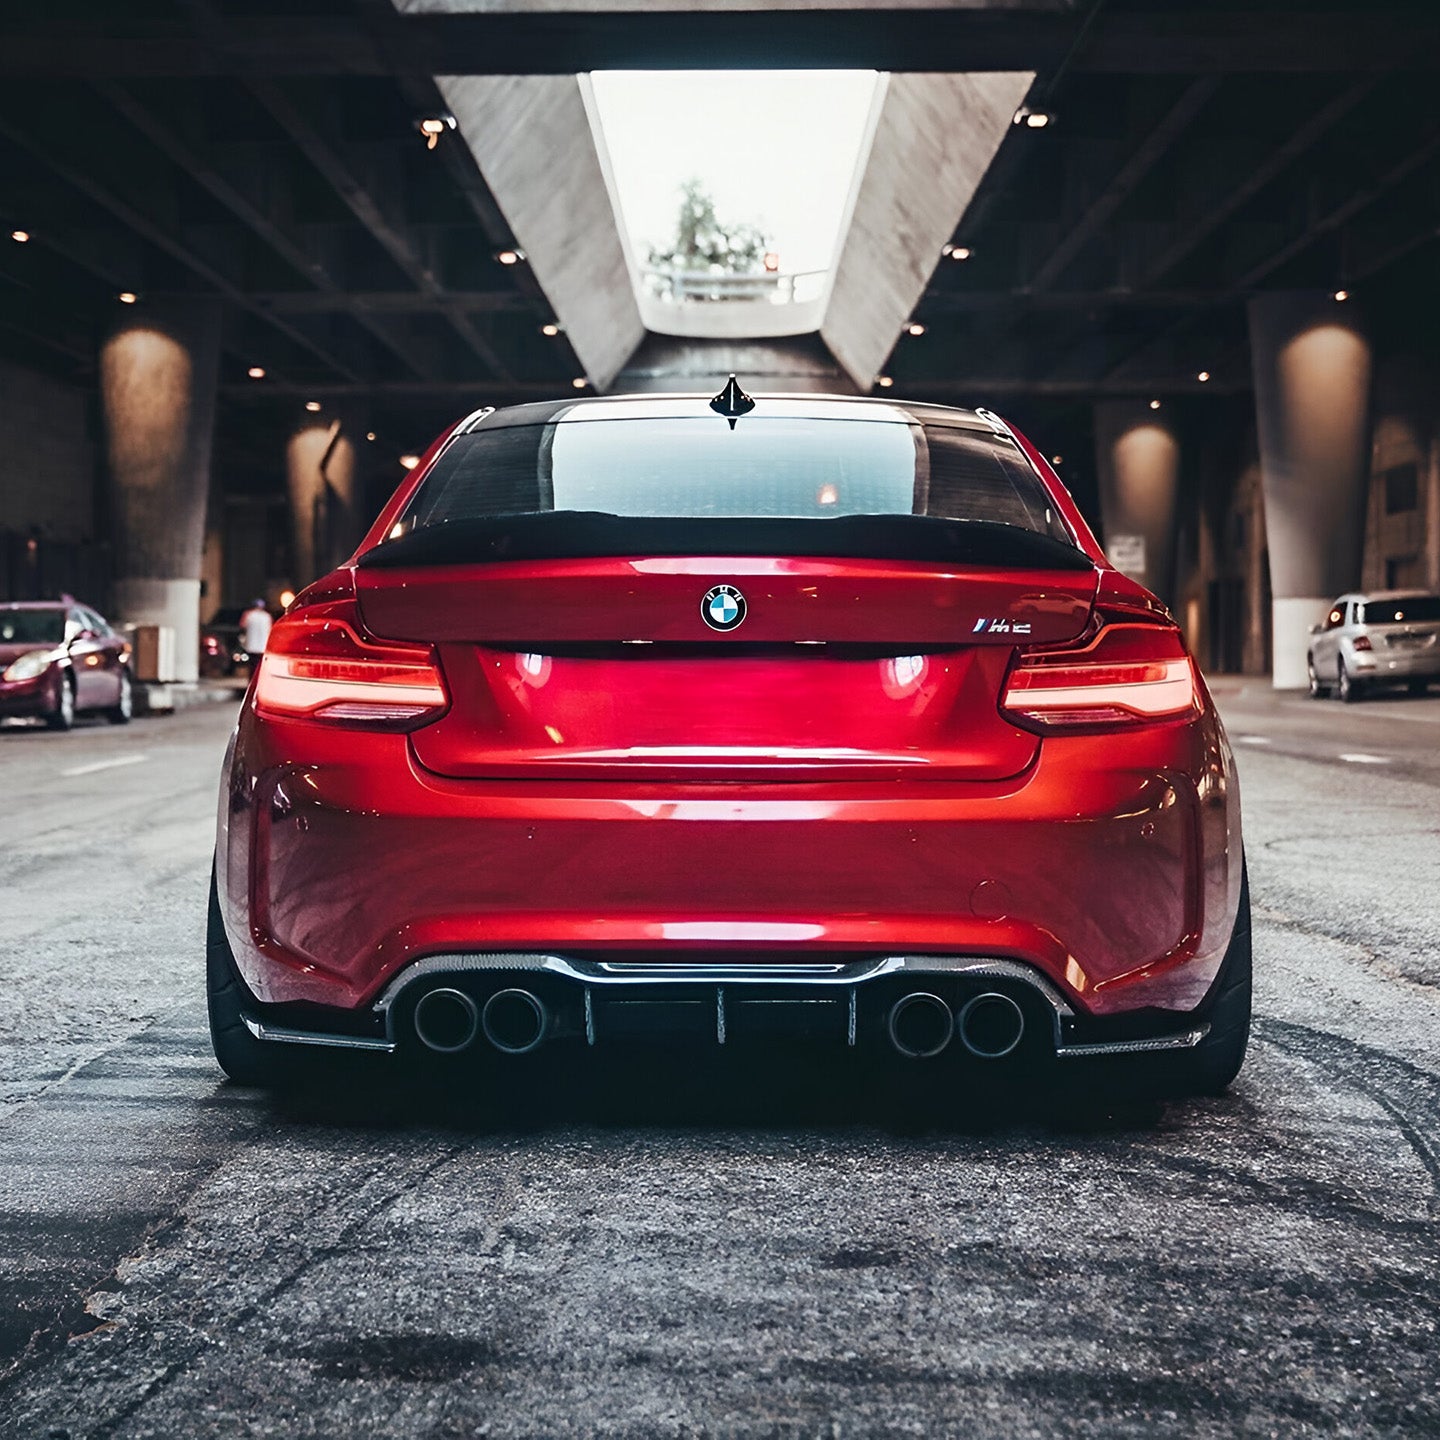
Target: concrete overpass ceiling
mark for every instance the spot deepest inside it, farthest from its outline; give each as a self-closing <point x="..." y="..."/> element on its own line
<point x="266" y="154"/>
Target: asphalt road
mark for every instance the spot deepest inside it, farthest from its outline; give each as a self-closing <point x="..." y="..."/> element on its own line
<point x="671" y="1251"/>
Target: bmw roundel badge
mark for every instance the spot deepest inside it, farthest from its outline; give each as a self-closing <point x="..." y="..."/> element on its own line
<point x="723" y="607"/>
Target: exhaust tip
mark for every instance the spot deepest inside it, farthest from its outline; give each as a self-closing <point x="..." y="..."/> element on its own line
<point x="920" y="1025"/>
<point x="991" y="1025"/>
<point x="515" y="1021"/>
<point x="446" y="1020"/>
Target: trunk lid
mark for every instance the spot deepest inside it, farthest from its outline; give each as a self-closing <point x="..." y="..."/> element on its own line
<point x="603" y="668"/>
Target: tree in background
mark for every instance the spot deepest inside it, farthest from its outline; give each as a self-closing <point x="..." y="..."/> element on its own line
<point x="703" y="244"/>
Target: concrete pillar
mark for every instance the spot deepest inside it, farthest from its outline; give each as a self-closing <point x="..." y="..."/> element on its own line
<point x="1137" y="463"/>
<point x="1312" y="368"/>
<point x="320" y="477"/>
<point x="158" y="371"/>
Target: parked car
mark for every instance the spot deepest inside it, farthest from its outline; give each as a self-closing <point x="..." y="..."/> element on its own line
<point x="816" y="717"/>
<point x="222" y="652"/>
<point x="1383" y="637"/>
<point x="59" y="659"/>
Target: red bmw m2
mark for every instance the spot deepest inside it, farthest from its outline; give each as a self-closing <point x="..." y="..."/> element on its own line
<point x="733" y="721"/>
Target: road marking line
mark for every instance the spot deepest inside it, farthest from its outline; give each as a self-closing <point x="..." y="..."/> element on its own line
<point x="104" y="765"/>
<point x="1356" y="758"/>
<point x="1252" y="740"/>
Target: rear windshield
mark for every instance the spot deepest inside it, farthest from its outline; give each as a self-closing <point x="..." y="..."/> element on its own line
<point x="690" y="467"/>
<point x="1402" y="611"/>
<point x="32" y="627"/>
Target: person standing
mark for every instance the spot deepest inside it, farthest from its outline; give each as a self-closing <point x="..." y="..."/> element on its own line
<point x="255" y="630"/>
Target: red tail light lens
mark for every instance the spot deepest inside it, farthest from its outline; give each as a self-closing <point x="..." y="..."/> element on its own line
<point x="1125" y="675"/>
<point x="317" y="667"/>
<point x="1362" y="642"/>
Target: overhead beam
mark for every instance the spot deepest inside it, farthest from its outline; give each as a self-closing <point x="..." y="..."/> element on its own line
<point x="394" y="302"/>
<point x="392" y="237"/>
<point x="895" y="37"/>
<point x="1195" y="230"/>
<point x="167" y="140"/>
<point x="1157" y="141"/>
<point x="1315" y="230"/>
<point x="515" y="392"/>
<point x="158" y="236"/>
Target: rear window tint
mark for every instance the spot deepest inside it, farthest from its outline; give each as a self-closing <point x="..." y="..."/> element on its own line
<point x="1402" y="611"/>
<point x="764" y="468"/>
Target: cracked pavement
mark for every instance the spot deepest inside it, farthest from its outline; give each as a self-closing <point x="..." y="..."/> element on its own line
<point x="664" y="1248"/>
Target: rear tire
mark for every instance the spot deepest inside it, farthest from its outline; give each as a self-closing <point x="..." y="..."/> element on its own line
<point x="1209" y="1068"/>
<point x="1317" y="690"/>
<point x="246" y="1060"/>
<point x="1349" y="690"/>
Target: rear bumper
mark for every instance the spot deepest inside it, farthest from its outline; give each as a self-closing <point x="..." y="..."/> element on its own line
<point x="1398" y="664"/>
<point x="846" y="1003"/>
<point x="1110" y="868"/>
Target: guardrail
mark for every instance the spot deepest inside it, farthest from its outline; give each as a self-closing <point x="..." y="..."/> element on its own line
<point x="705" y="287"/>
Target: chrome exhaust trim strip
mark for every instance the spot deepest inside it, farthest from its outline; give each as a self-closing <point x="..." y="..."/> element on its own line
<point x="280" y="1036"/>
<point x="1186" y="1040"/>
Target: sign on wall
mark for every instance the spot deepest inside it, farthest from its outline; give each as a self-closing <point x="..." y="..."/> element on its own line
<point x="1127" y="554"/>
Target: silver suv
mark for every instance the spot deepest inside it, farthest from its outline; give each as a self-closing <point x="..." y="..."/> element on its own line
<point x="1386" y="637"/>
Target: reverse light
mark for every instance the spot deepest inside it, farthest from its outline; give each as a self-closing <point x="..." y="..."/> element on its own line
<point x="1126" y="674"/>
<point x="317" y="667"/>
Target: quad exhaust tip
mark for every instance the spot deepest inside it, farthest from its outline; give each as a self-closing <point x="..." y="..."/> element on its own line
<point x="515" y="1021"/>
<point x="920" y="1025"/>
<point x="991" y="1025"/>
<point x="446" y="1020"/>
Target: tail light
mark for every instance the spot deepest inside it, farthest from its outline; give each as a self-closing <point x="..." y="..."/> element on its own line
<point x="1361" y="642"/>
<point x="1126" y="674"/>
<point x="317" y="666"/>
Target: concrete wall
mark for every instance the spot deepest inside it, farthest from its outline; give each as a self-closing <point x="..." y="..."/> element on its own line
<point x="50" y="516"/>
<point x="48" y="455"/>
<point x="1402" y="540"/>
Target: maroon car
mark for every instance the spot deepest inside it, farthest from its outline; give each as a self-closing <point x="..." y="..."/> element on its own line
<point x="59" y="658"/>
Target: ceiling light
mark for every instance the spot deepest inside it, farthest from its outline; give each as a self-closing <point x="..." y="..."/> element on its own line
<point x="313" y="406"/>
<point x="1203" y="377"/>
<point x="914" y="328"/>
<point x="20" y="236"/>
<point x="578" y="382"/>
<point x="256" y="372"/>
<point x="884" y="381"/>
<point x="287" y="599"/>
<point x="551" y="329"/>
<point x="369" y="434"/>
<point x="1033" y="119"/>
<point x="1154" y="404"/>
<point x="510" y="257"/>
<point x="1057" y="459"/>
<point x="409" y="461"/>
<point x="127" y="297"/>
<point x="960" y="252"/>
<point x="1341" y="295"/>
